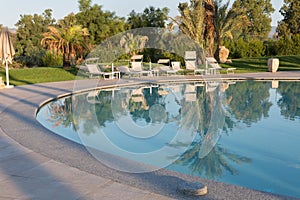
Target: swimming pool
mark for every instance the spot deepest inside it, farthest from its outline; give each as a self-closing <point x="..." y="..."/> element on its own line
<point x="243" y="133"/>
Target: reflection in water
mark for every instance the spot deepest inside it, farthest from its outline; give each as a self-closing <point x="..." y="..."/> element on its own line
<point x="248" y="102"/>
<point x="212" y="166"/>
<point x="199" y="126"/>
<point x="289" y="102"/>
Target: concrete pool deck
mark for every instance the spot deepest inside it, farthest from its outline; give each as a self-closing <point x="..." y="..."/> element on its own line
<point x="37" y="164"/>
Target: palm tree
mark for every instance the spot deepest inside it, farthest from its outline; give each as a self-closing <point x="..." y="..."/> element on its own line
<point x="226" y="22"/>
<point x="70" y="41"/>
<point x="132" y="44"/>
<point x="209" y="31"/>
<point x="191" y="19"/>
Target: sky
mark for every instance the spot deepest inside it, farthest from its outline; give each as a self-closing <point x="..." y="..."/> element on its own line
<point x="14" y="8"/>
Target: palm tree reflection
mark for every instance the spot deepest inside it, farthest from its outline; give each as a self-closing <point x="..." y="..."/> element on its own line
<point x="206" y="115"/>
<point x="214" y="165"/>
<point x="61" y="113"/>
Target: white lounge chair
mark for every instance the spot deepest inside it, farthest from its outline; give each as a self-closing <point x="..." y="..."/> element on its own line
<point x="136" y="62"/>
<point x="211" y="61"/>
<point x="93" y="70"/>
<point x="190" y="58"/>
<point x="164" y="67"/>
<point x="176" y="65"/>
<point x="126" y="71"/>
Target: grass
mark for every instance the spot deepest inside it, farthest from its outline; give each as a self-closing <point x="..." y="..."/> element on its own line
<point x="286" y="63"/>
<point x="53" y="74"/>
<point x="39" y="75"/>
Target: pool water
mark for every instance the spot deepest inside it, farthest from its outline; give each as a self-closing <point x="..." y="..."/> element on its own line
<point x="242" y="133"/>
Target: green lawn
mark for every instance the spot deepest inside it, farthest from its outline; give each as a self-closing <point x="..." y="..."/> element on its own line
<point x="52" y="74"/>
<point x="286" y="63"/>
<point x="38" y="75"/>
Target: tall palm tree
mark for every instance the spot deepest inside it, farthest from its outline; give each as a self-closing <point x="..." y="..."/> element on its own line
<point x="70" y="41"/>
<point x="191" y="19"/>
<point x="209" y="31"/>
<point x="227" y="21"/>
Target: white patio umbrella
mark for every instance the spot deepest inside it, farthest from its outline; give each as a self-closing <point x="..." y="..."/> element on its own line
<point x="6" y="52"/>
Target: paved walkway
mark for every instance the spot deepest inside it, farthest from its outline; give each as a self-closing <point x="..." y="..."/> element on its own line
<point x="35" y="164"/>
<point x="25" y="174"/>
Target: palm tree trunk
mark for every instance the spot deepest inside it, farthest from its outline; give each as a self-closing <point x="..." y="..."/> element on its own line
<point x="218" y="43"/>
<point x="210" y="27"/>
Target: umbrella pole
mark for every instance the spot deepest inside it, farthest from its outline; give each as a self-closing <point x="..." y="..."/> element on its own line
<point x="7" y="76"/>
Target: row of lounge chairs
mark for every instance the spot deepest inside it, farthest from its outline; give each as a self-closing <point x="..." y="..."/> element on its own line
<point x="163" y="66"/>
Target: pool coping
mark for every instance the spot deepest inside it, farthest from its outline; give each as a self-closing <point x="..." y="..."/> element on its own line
<point x="18" y="109"/>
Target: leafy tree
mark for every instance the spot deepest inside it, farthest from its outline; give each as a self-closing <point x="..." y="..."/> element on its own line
<point x="288" y="45"/>
<point x="283" y="29"/>
<point x="151" y="17"/>
<point x="291" y="18"/>
<point x="29" y="50"/>
<point x="259" y="14"/>
<point x="101" y="24"/>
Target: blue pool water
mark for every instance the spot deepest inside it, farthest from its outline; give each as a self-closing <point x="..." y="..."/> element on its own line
<point x="243" y="133"/>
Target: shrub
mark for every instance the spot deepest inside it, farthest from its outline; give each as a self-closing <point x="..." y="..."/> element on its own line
<point x="52" y="60"/>
<point x="247" y="48"/>
<point x="296" y="44"/>
<point x="33" y="57"/>
<point x="284" y="46"/>
<point x="256" y="48"/>
<point x="271" y="48"/>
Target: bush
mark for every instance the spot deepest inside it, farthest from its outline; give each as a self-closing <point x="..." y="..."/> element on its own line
<point x="248" y="49"/>
<point x="283" y="46"/>
<point x="52" y="60"/>
<point x="271" y="48"/>
<point x="296" y="44"/>
<point x="32" y="58"/>
<point x="256" y="48"/>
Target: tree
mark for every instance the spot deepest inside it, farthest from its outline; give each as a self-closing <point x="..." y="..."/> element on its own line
<point x="291" y="18"/>
<point x="29" y="34"/>
<point x="227" y="22"/>
<point x="132" y="43"/>
<point x="151" y="17"/>
<point x="259" y="14"/>
<point x="101" y="24"/>
<point x="191" y="19"/>
<point x="209" y="31"/>
<point x="68" y="39"/>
